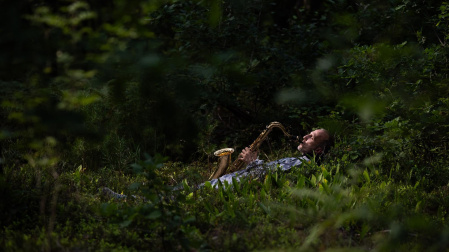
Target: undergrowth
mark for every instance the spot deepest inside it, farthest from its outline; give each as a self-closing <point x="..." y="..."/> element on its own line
<point x="335" y="204"/>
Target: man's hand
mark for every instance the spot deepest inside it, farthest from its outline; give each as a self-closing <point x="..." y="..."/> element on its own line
<point x="247" y="155"/>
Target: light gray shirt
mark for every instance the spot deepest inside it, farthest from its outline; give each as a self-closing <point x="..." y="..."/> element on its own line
<point x="258" y="168"/>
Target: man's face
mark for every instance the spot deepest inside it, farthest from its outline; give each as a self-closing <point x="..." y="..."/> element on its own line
<point x="311" y="141"/>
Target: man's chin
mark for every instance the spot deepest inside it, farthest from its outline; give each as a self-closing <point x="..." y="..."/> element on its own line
<point x="303" y="150"/>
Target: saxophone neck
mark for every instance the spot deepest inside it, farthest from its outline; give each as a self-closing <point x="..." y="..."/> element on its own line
<point x="282" y="128"/>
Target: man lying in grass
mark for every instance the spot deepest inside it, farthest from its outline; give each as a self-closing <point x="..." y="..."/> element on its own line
<point x="316" y="143"/>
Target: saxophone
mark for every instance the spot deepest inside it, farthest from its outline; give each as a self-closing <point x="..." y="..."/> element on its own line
<point x="225" y="154"/>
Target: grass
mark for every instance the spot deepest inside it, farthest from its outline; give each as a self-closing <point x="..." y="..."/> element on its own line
<point x="335" y="205"/>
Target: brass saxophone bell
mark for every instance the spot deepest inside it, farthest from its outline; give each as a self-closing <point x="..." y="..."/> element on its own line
<point x="224" y="159"/>
<point x="223" y="152"/>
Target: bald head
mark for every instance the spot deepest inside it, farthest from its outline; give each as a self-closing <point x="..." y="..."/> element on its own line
<point x="314" y="142"/>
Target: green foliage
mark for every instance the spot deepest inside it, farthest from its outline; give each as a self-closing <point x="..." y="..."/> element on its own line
<point x="86" y="88"/>
<point x="161" y="212"/>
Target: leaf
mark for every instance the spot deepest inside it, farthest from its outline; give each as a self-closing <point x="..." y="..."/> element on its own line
<point x="135" y="186"/>
<point x="301" y="182"/>
<point x="154" y="215"/>
<point x="235" y="184"/>
<point x="264" y="208"/>
<point x="365" y="229"/>
<point x="189" y="219"/>
<point x="418" y="206"/>
<point x="366" y="176"/>
<point x="313" y="180"/>
<point x="208" y="185"/>
<point x="185" y="185"/>
<point x="215" y="13"/>
<point x="125" y="223"/>
<point x="416" y="185"/>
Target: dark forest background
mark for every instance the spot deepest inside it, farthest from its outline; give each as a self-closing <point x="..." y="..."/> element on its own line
<point x="137" y="95"/>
